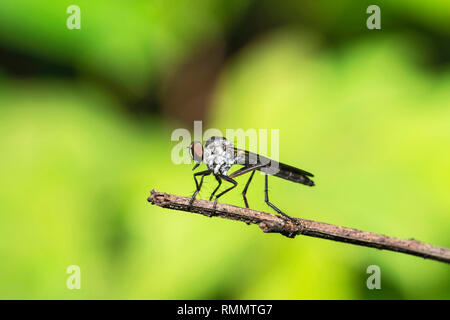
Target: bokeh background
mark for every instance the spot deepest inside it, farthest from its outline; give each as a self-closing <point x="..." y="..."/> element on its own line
<point x="86" y="118"/>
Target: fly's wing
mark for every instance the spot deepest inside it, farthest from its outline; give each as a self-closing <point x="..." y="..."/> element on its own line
<point x="272" y="167"/>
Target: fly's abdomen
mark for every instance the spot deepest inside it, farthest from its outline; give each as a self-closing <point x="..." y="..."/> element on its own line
<point x="272" y="167"/>
<point x="295" y="177"/>
<point x="289" y="173"/>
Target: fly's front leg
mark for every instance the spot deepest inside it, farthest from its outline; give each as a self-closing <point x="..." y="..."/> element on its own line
<point x="197" y="185"/>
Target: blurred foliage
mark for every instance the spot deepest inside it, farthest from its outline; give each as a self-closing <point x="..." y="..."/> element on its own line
<point x="367" y="118"/>
<point x="126" y="42"/>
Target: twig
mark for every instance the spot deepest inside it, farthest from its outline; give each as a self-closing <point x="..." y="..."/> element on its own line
<point x="278" y="224"/>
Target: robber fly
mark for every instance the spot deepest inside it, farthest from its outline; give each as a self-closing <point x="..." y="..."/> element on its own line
<point x="219" y="155"/>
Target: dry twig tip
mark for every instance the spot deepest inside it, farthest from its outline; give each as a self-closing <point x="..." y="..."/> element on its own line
<point x="271" y="223"/>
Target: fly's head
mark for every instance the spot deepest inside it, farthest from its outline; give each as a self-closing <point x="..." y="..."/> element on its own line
<point x="196" y="153"/>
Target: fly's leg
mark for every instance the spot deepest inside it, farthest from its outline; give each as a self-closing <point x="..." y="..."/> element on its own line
<point x="226" y="178"/>
<point x="197" y="185"/>
<point x="266" y="199"/>
<point x="215" y="190"/>
<point x="244" y="192"/>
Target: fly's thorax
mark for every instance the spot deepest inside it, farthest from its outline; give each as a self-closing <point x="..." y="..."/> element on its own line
<point x="219" y="155"/>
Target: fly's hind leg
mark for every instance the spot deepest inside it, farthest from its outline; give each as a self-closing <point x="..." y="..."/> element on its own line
<point x="244" y="192"/>
<point x="266" y="199"/>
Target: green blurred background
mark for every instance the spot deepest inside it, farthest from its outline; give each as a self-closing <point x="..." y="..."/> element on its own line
<point x="86" y="118"/>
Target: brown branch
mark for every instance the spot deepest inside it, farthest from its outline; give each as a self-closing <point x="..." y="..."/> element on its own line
<point x="273" y="223"/>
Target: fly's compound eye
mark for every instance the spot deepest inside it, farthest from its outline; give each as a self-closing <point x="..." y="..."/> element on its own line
<point x="196" y="151"/>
